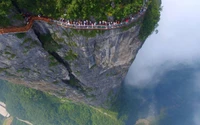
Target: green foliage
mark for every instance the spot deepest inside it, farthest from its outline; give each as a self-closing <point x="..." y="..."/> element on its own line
<point x="28" y="44"/>
<point x="18" y="17"/>
<point x="2" y="69"/>
<point x="70" y="55"/>
<point x="6" y="16"/>
<point x="72" y="44"/>
<point x="129" y="26"/>
<point x="53" y="61"/>
<point x="48" y="43"/>
<point x="26" y="41"/>
<point x="82" y="9"/>
<point x="87" y="33"/>
<point x="5" y="6"/>
<point x="43" y="109"/>
<point x="23" y="70"/>
<point x="20" y="35"/>
<point x="151" y="19"/>
<point x="11" y="55"/>
<point x="56" y="38"/>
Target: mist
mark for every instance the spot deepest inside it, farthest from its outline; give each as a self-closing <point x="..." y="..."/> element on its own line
<point x="170" y="60"/>
<point x="176" y="43"/>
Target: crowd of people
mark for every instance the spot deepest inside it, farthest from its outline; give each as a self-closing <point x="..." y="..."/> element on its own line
<point x="100" y="24"/>
<point x="85" y="24"/>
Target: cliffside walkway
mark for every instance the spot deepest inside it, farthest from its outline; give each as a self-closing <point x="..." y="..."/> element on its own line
<point x="71" y="26"/>
<point x="23" y="28"/>
<point x="99" y="26"/>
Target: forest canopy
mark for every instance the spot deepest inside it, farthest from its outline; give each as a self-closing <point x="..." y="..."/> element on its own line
<point x="80" y="9"/>
<point x="5" y="6"/>
<point x="85" y="10"/>
<point x="151" y="19"/>
<point x="43" y="109"/>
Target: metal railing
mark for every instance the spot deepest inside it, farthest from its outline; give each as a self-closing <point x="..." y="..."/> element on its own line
<point x="100" y="26"/>
<point x="108" y="26"/>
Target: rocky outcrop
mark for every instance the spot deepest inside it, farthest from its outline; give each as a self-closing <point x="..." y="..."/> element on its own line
<point x="84" y="67"/>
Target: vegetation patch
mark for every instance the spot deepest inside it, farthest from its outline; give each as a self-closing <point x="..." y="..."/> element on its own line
<point x="70" y="55"/>
<point x="29" y="43"/>
<point x="43" y="109"/>
<point x="74" y="82"/>
<point x="20" y="35"/>
<point x="26" y="40"/>
<point x="111" y="99"/>
<point x="2" y="69"/>
<point x="77" y="9"/>
<point x="53" y="61"/>
<point x="23" y="70"/>
<point x="18" y="17"/>
<point x="87" y="33"/>
<point x="72" y="44"/>
<point x="5" y="6"/>
<point x="56" y="38"/>
<point x="34" y="43"/>
<point x="151" y="19"/>
<point x="48" y="43"/>
<point x="68" y="34"/>
<point x="11" y="55"/>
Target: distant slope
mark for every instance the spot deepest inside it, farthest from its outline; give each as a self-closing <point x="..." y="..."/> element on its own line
<point x="43" y="109"/>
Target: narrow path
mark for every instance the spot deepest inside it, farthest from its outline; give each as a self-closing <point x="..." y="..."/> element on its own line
<point x="27" y="122"/>
<point x="71" y="26"/>
<point x="24" y="28"/>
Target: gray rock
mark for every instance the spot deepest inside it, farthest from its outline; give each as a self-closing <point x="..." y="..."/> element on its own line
<point x="100" y="63"/>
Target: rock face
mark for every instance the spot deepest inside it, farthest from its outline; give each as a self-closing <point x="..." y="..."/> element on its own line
<point x="98" y="63"/>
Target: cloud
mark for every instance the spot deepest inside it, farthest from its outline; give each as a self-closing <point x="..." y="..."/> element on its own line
<point x="176" y="43"/>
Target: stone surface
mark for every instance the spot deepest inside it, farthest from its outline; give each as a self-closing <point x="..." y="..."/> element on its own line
<point x="100" y="66"/>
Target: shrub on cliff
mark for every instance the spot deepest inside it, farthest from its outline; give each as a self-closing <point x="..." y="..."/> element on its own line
<point x="48" y="43"/>
<point x="5" y="6"/>
<point x="150" y="20"/>
<point x="82" y="9"/>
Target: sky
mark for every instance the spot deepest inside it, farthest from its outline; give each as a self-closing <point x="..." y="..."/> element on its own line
<point x="177" y="43"/>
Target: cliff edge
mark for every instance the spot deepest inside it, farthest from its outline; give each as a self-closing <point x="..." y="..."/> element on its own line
<point x="69" y="64"/>
<point x="82" y="65"/>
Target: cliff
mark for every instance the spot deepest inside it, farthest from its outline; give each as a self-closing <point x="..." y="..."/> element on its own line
<point x="68" y="63"/>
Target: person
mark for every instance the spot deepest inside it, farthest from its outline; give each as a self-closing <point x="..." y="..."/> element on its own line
<point x="92" y="25"/>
